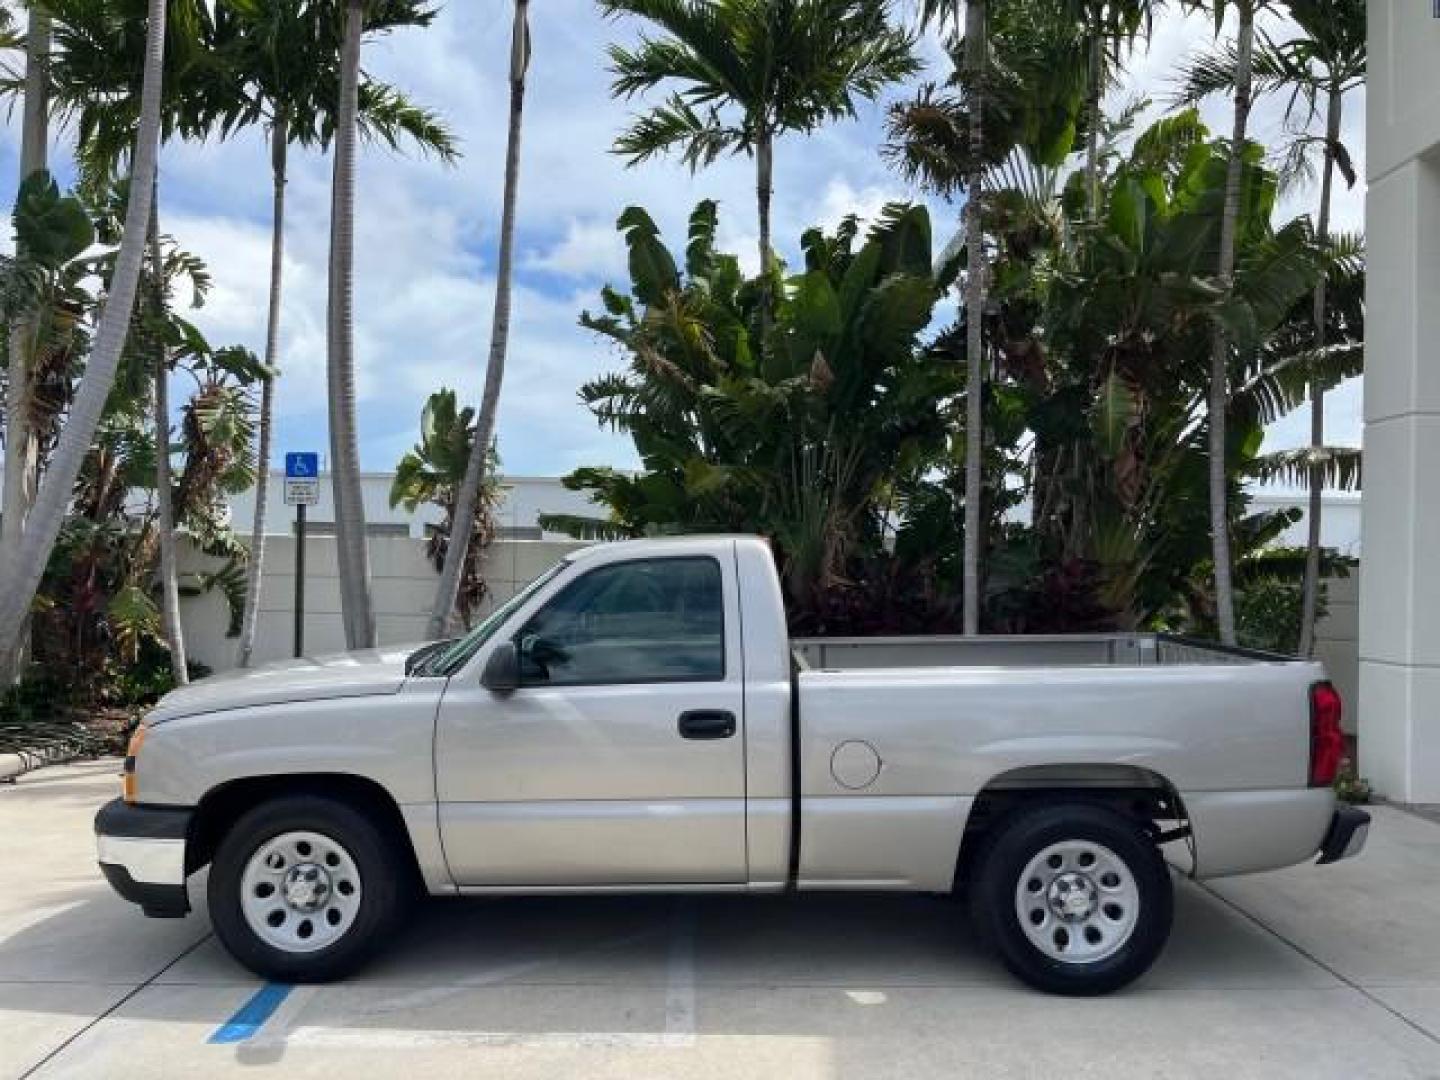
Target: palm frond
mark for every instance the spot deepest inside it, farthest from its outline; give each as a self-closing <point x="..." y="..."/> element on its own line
<point x="1339" y="466"/>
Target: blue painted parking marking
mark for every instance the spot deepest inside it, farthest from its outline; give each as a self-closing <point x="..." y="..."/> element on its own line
<point x="251" y="1016"/>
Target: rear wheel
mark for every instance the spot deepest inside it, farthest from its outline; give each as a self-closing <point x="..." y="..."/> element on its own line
<point x="1075" y="898"/>
<point x="303" y="888"/>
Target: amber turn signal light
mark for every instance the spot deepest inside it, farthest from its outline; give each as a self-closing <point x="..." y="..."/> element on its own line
<point x="127" y="778"/>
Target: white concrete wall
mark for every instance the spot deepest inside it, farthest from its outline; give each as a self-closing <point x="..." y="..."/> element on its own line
<point x="403" y="584"/>
<point x="1337" y="643"/>
<point x="1400" y="597"/>
<point x="1339" y="517"/>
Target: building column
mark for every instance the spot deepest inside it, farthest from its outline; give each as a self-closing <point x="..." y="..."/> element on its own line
<point x="1400" y="586"/>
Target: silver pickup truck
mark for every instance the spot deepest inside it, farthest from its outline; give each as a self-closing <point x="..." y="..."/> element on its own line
<point x="638" y="720"/>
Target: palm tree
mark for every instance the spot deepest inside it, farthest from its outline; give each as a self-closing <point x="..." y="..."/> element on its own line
<point x="783" y="66"/>
<point x="950" y="143"/>
<point x="481" y="451"/>
<point x="975" y="50"/>
<point x="350" y="540"/>
<point x="95" y="80"/>
<point x="1324" y="61"/>
<point x="1219" y="395"/>
<point x="1108" y="26"/>
<point x="254" y="572"/>
<point x="23" y="564"/>
<point x="288" y="58"/>
<point x="164" y="492"/>
<point x="21" y="451"/>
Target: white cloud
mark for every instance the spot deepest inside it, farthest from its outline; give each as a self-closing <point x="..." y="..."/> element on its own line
<point x="840" y="199"/>
<point x="590" y="249"/>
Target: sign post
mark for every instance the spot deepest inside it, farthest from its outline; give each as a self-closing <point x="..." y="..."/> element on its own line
<point x="302" y="489"/>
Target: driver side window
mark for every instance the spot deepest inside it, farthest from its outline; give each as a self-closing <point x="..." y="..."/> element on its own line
<point x="651" y="620"/>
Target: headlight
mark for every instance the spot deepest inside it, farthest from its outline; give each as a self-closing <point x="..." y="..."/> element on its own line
<point x="128" y="790"/>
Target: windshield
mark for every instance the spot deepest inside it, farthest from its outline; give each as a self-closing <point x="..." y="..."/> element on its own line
<point x="446" y="661"/>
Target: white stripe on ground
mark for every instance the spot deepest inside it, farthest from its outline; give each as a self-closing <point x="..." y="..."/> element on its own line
<point x="680" y="976"/>
<point x="393" y="1039"/>
<point x="290" y="1010"/>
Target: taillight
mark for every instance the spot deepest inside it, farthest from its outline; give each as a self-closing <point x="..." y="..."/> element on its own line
<point x="1327" y="738"/>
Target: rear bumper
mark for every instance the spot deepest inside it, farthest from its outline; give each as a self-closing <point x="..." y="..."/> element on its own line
<point x="1349" y="829"/>
<point x="1242" y="832"/>
<point x="141" y="850"/>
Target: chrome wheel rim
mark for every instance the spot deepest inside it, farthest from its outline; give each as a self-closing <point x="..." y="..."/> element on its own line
<point x="300" y="892"/>
<point x="1077" y="902"/>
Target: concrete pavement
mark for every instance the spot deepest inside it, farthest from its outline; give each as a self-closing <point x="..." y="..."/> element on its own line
<point x="1312" y="972"/>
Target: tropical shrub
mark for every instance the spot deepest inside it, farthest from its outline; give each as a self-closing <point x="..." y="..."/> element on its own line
<point x="433" y="472"/>
<point x="839" y="433"/>
<point x="95" y="623"/>
<point x="804" y="427"/>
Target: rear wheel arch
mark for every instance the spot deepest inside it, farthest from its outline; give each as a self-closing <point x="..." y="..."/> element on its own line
<point x="1140" y="794"/>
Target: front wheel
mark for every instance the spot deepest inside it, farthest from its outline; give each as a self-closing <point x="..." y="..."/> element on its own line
<point x="303" y="888"/>
<point x="1075" y="897"/>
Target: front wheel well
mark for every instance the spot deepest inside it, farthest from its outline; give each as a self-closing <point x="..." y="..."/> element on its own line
<point x="222" y="806"/>
<point x="1143" y="796"/>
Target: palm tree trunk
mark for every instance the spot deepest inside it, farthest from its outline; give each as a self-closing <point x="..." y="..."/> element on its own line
<point x="22" y="450"/>
<point x="442" y="614"/>
<point x="350" y="539"/>
<point x="254" y="573"/>
<point x="764" y="188"/>
<point x="974" y="319"/>
<point x="164" y="490"/>
<point x="1092" y="133"/>
<point x="1310" y="602"/>
<point x="23" y="564"/>
<point x="1220" y="351"/>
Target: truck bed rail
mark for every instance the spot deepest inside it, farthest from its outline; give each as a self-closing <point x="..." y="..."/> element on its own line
<point x="1018" y="650"/>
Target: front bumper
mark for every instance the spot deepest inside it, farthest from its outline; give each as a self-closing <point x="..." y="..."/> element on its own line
<point x="141" y="850"/>
<point x="1349" y="829"/>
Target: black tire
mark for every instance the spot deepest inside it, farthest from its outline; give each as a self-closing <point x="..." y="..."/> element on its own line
<point x="1021" y="837"/>
<point x="382" y="876"/>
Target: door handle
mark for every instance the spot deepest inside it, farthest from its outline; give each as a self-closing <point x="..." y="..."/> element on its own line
<point x="706" y="724"/>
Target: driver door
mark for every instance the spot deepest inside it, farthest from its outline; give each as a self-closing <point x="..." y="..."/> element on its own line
<point x="620" y="759"/>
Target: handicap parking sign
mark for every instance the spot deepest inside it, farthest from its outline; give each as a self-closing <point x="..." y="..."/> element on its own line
<point x="304" y="466"/>
<point x="302" y="479"/>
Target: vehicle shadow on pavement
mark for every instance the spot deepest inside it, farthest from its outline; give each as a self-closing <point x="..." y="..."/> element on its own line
<point x="78" y="933"/>
<point x="804" y="986"/>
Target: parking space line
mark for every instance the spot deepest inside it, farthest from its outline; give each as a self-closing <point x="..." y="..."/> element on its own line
<point x="251" y="1016"/>
<point x="330" y="1038"/>
<point x="680" y="976"/>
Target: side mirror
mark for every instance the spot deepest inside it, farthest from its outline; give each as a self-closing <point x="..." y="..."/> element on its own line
<point x="502" y="670"/>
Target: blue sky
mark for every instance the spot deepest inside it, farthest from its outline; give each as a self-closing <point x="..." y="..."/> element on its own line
<point x="427" y="234"/>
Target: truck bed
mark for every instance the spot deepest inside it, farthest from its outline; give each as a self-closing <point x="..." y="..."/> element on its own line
<point x="1017" y="650"/>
